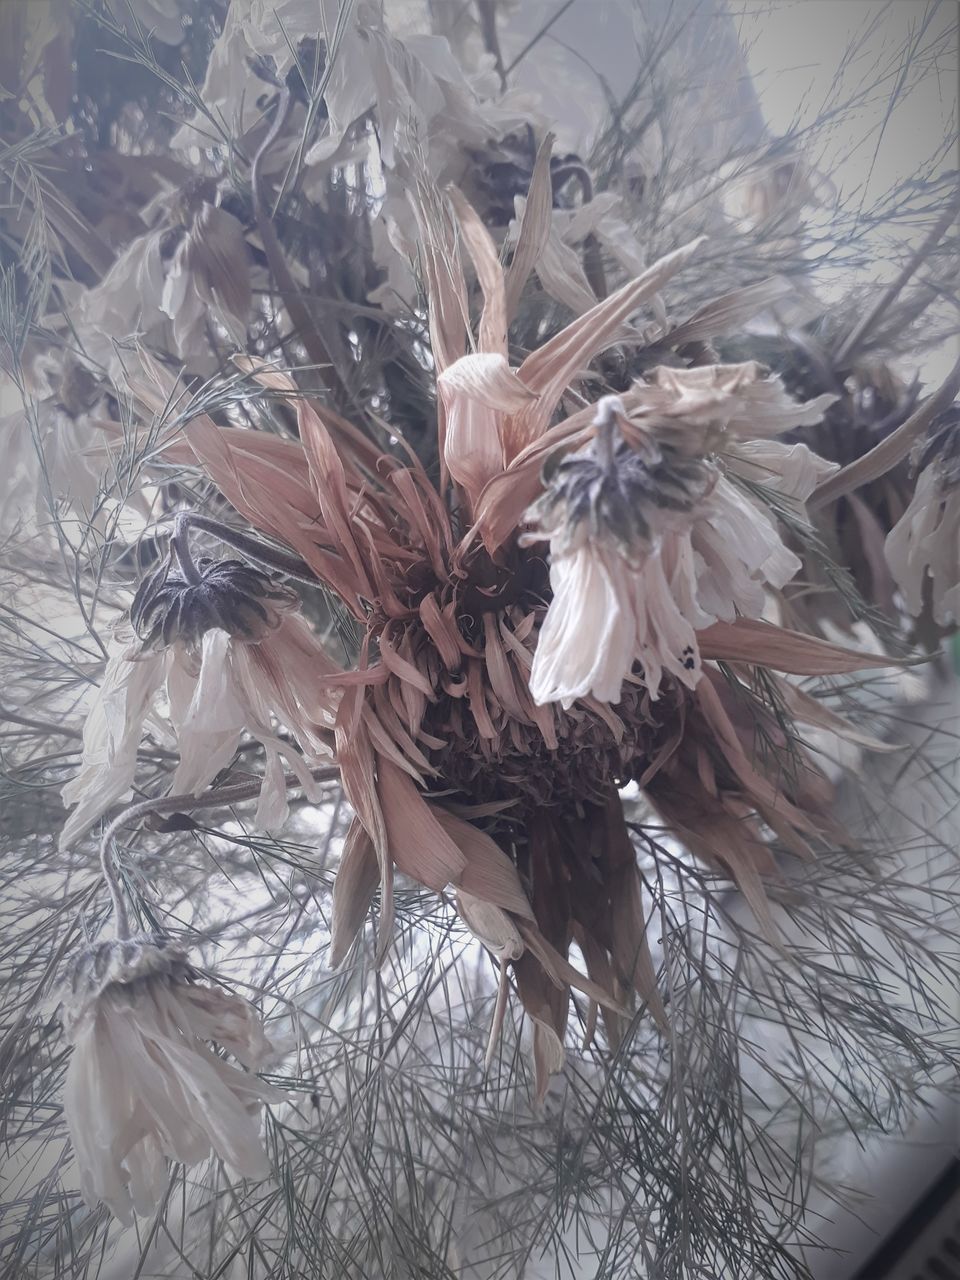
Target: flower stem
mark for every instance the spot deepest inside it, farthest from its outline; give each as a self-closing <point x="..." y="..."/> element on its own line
<point x="605" y="420"/>
<point x="180" y="541"/>
<point x="164" y="806"/>
<point x="254" y="550"/>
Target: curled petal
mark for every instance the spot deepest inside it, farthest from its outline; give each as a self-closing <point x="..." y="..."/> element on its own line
<point x="491" y="925"/>
<point x="477" y="391"/>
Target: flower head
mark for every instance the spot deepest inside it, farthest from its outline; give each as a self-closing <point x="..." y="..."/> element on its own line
<point x="228" y="595"/>
<point x="144" y="1085"/>
<point x="653" y="543"/>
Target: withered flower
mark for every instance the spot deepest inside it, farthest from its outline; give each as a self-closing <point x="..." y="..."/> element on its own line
<point x="224" y="645"/>
<point x="467" y="639"/>
<point x="649" y="537"/>
<point x="208" y="275"/>
<point x="144" y="1085"/>
<point x="191" y="268"/>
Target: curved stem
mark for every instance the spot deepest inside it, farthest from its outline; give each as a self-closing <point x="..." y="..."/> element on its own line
<point x="180" y="541"/>
<point x="111" y="875"/>
<point x="605" y="420"/>
<point x="252" y="548"/>
<point x="292" y="298"/>
<point x="166" y="805"/>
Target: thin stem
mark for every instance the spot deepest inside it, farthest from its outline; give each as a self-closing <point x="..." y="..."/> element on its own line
<point x="109" y="869"/>
<point x="166" y="805"/>
<point x="605" y="420"/>
<point x="855" y="339"/>
<point x="297" y="309"/>
<point x="252" y="548"/>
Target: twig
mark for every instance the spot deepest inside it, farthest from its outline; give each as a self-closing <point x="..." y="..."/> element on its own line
<point x="854" y="339"/>
<point x="166" y="805"/>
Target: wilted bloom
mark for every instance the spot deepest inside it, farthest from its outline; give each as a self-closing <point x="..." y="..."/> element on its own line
<point x="48" y="443"/>
<point x="144" y="1085"/>
<point x="231" y="657"/>
<point x="650" y="542"/>
<point x="926" y="539"/>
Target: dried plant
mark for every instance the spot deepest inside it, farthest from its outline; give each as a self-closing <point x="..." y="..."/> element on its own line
<point x="411" y="589"/>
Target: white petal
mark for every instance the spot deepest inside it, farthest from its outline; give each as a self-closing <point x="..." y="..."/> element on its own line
<point x="111" y="737"/>
<point x="587" y="640"/>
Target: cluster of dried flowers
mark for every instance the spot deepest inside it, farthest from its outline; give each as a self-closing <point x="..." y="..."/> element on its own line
<point x="575" y="588"/>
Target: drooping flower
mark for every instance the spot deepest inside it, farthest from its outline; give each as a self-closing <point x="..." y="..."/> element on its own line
<point x="460" y="774"/>
<point x="48" y="443"/>
<point x="654" y="544"/>
<point x="230" y="656"/>
<point x="208" y="276"/>
<point x="144" y="1085"/>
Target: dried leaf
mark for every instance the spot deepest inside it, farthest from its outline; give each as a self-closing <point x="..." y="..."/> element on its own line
<point x="535" y="224"/>
<point x="357" y="878"/>
<point x="763" y="643"/>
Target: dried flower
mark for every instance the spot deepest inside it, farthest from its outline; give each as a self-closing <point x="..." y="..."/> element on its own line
<point x="654" y="543"/>
<point x="231" y="657"/>
<point x="172" y="282"/>
<point x="655" y="539"/>
<point x="144" y="1086"/>
<point x="208" y="276"/>
<point x="48" y="444"/>
<point x="225" y="594"/>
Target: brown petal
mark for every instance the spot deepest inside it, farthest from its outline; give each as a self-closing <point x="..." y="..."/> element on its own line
<point x="442" y="630"/>
<point x="499" y="670"/>
<point x="601" y="972"/>
<point x="401" y="668"/>
<point x="629" y="946"/>
<point x="357" y="763"/>
<point x="506" y="497"/>
<point x="357" y="878"/>
<point x="489" y="875"/>
<point x="477" y="699"/>
<point x="486" y="262"/>
<point x="445" y="287"/>
<point x="355" y="443"/>
<point x="767" y="645"/>
<point x="730" y="311"/>
<point x="550" y="368"/>
<point x="547" y="1005"/>
<point x="761" y="791"/>
<point x="561" y="971"/>
<point x="273" y="497"/>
